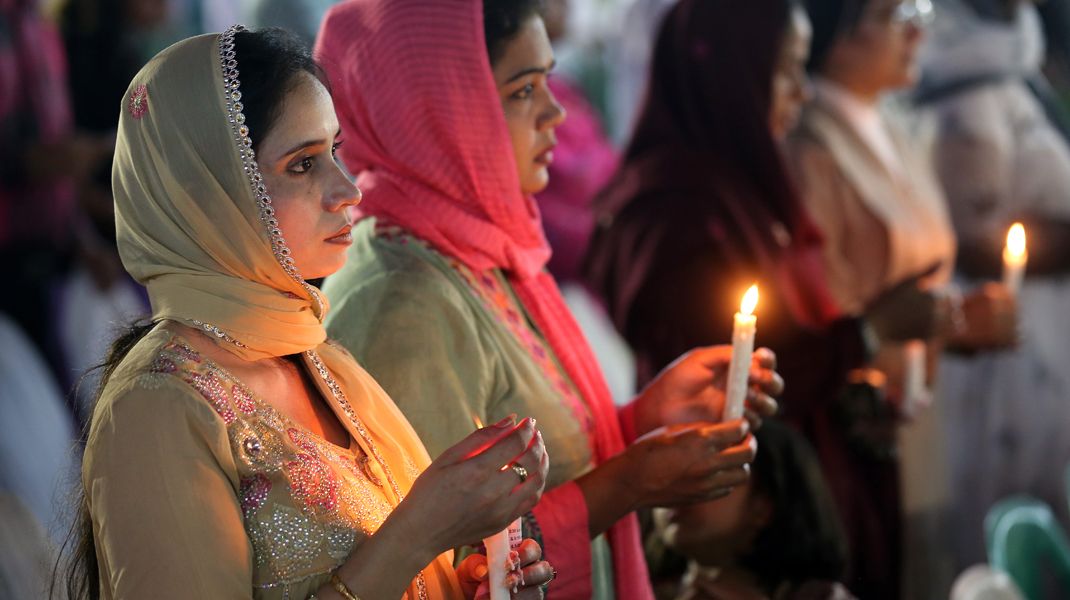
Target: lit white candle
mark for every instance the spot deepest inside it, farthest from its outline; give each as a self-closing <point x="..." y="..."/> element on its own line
<point x="742" y="349"/>
<point x="498" y="547"/>
<point x="1015" y="257"/>
<point x="914" y="367"/>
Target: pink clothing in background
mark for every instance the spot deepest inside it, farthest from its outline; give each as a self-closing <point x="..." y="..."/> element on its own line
<point x="425" y="133"/>
<point x="584" y="160"/>
<point x="34" y="109"/>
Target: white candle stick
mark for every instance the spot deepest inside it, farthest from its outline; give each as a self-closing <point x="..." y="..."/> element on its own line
<point x="914" y="368"/>
<point x="742" y="349"/>
<point x="498" y="547"/>
<point x="1015" y="257"/>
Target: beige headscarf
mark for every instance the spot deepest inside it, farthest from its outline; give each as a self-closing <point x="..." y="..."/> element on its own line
<point x="191" y="224"/>
<point x="195" y="226"/>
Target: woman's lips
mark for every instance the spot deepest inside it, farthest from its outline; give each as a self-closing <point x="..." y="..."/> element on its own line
<point x="344" y="236"/>
<point x="546" y="157"/>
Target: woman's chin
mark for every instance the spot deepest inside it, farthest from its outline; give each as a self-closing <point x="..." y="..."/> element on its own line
<point x="535" y="182"/>
<point x="322" y="268"/>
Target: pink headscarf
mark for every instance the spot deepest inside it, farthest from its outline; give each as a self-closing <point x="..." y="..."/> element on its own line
<point x="425" y="132"/>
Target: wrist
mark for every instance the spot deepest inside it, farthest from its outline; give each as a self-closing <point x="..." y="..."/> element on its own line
<point x="385" y="564"/>
<point x="414" y="544"/>
<point x="640" y="414"/>
<point x="623" y="480"/>
<point x="607" y="493"/>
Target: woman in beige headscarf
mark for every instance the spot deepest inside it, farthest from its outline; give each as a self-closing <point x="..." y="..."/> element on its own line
<point x="234" y="452"/>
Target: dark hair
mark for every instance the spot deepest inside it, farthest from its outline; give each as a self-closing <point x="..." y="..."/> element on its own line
<point x="270" y="60"/>
<point x="502" y="20"/>
<point x="831" y="19"/>
<point x="804" y="540"/>
<point x="710" y="94"/>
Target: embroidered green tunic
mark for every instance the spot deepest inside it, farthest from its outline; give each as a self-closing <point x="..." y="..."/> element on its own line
<point x="449" y="346"/>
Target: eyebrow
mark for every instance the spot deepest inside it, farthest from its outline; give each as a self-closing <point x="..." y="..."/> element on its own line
<point x="308" y="144"/>
<point x="530" y="70"/>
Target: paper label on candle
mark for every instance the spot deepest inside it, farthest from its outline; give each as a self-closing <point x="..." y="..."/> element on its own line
<point x="498" y="547"/>
<point x="515" y="537"/>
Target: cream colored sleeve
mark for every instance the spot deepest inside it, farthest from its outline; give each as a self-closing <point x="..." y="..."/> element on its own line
<point x="413" y="332"/>
<point x="827" y="197"/>
<point x="161" y="486"/>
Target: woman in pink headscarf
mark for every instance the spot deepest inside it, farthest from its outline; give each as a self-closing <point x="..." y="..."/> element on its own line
<point x="446" y="300"/>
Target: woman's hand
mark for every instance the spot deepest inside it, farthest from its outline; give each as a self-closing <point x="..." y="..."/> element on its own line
<point x="693" y="389"/>
<point x="988" y="321"/>
<point x="676" y="464"/>
<point x="907" y="311"/>
<point x="683" y="464"/>
<point x="465" y="495"/>
<point x="527" y="579"/>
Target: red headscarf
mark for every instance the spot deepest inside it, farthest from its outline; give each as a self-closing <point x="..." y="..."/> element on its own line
<point x="426" y="134"/>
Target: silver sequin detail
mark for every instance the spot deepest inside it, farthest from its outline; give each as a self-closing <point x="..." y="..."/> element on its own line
<point x="289" y="539"/>
<point x="219" y="333"/>
<point x="358" y="424"/>
<point x="252" y="446"/>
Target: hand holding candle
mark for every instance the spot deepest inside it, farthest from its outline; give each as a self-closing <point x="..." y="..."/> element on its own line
<point x="499" y="546"/>
<point x="742" y="348"/>
<point x="1015" y="257"/>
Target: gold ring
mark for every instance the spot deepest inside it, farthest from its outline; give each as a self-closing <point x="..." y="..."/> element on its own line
<point x="521" y="472"/>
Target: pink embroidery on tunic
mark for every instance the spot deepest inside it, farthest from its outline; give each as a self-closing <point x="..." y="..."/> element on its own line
<point x="139" y="101"/>
<point x="162" y="364"/>
<point x="211" y="387"/>
<point x="183" y="351"/>
<point x="242" y="399"/>
<point x="301" y="440"/>
<point x="312" y="482"/>
<point x="254" y="492"/>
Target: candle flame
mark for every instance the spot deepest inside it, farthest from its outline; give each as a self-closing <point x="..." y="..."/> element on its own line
<point x="750" y="301"/>
<point x="1016" y="240"/>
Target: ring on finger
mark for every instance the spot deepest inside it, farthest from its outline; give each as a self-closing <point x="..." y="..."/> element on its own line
<point x="520" y="471"/>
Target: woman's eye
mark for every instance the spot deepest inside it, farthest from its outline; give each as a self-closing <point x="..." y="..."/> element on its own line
<point x="334" y="148"/>
<point x="303" y="166"/>
<point x="525" y="92"/>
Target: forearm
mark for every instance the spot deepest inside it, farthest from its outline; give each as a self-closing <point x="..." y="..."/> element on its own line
<point x="607" y="496"/>
<point x="384" y="565"/>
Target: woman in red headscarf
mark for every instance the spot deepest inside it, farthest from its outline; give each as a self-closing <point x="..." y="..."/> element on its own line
<point x="446" y="299"/>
